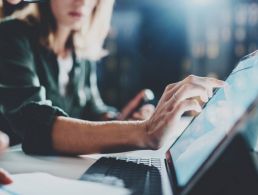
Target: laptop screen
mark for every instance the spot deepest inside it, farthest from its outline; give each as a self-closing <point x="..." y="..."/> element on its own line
<point x="211" y="126"/>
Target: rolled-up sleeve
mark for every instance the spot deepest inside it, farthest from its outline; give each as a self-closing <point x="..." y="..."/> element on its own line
<point x="30" y="117"/>
<point x="33" y="122"/>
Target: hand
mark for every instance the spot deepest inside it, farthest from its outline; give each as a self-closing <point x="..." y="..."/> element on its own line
<point x="144" y="113"/>
<point x="175" y="101"/>
<point x="110" y="115"/>
<point x="14" y="1"/>
<point x="4" y="176"/>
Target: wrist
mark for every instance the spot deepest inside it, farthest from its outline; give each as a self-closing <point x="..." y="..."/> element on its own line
<point x="151" y="139"/>
<point x="145" y="141"/>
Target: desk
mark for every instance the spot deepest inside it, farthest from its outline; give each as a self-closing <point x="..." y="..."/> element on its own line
<point x="15" y="161"/>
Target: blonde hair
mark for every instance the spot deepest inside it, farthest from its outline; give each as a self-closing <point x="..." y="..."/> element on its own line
<point x="81" y="41"/>
<point x="1" y="10"/>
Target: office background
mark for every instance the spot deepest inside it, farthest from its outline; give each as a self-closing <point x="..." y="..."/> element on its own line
<point x="156" y="42"/>
<point x="153" y="43"/>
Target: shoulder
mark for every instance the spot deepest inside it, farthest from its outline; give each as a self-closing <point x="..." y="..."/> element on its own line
<point x="12" y="23"/>
<point x="17" y="36"/>
<point x="15" y="28"/>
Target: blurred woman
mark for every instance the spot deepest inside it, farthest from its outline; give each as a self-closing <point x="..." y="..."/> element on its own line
<point x="46" y="72"/>
<point x="91" y="106"/>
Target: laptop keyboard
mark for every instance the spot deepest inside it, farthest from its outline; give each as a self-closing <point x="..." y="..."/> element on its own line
<point x="140" y="175"/>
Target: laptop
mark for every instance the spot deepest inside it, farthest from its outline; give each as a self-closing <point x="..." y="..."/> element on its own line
<point x="188" y="157"/>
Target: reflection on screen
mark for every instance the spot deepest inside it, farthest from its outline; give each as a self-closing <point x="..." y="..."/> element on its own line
<point x="210" y="127"/>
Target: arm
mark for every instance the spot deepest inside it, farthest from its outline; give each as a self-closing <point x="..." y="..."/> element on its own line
<point x="97" y="137"/>
<point x="83" y="137"/>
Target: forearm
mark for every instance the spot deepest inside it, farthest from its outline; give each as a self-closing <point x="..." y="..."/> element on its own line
<point x="72" y="136"/>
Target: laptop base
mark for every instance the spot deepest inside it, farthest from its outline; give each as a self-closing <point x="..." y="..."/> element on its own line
<point x="141" y="176"/>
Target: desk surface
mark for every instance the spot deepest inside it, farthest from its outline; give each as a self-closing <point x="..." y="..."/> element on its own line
<point x="15" y="161"/>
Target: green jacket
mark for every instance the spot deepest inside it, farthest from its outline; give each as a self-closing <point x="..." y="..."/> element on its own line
<point x="29" y="89"/>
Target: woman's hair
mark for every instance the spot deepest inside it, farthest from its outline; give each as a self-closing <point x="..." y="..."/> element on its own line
<point x="42" y="16"/>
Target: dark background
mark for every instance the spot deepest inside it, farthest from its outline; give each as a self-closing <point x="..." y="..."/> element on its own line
<point x="156" y="42"/>
<point x="153" y="43"/>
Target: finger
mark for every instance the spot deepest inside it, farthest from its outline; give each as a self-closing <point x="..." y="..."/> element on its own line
<point x="175" y="115"/>
<point x="210" y="92"/>
<point x="141" y="115"/>
<point x="146" y="111"/>
<point x="210" y="84"/>
<point x="184" y="106"/>
<point x="171" y="89"/>
<point x="138" y="116"/>
<point x="216" y="82"/>
<point x="189" y="91"/>
<point x="206" y="82"/>
<point x="5" y="178"/>
<point x="148" y="108"/>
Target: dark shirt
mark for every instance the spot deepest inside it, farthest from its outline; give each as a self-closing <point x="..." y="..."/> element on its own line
<point x="29" y="90"/>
